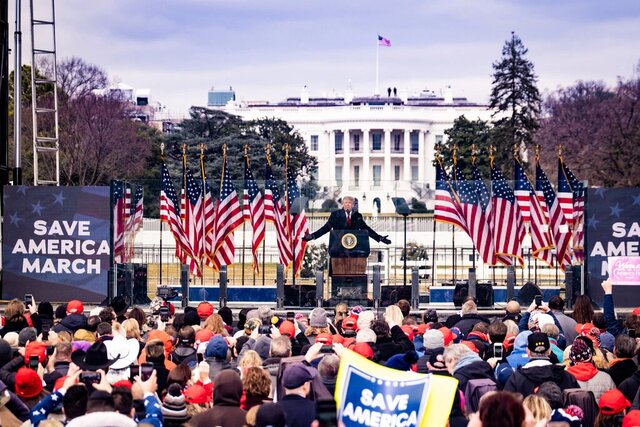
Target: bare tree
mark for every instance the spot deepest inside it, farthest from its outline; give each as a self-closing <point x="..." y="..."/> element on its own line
<point x="78" y="78"/>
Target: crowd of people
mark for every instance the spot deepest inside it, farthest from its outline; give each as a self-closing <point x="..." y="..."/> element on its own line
<point x="121" y="366"/>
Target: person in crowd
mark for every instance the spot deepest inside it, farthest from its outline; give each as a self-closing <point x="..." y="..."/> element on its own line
<point x="226" y="410"/>
<point x="14" y="317"/>
<point x="612" y="405"/>
<point x="174" y="407"/>
<point x="469" y="318"/>
<point x="404" y="306"/>
<point x="583" y="369"/>
<point x="217" y="356"/>
<point x="433" y="342"/>
<point x="499" y="409"/>
<point x="341" y="311"/>
<point x="539" y="408"/>
<point x="58" y="364"/>
<point x="74" y="319"/>
<point x="623" y="366"/>
<point x="567" y="323"/>
<point x="328" y="371"/>
<point x="632" y="322"/>
<point x="215" y="324"/>
<point x="538" y="369"/>
<point x="553" y="333"/>
<point x="583" y="309"/>
<point x="389" y="341"/>
<point x="464" y="365"/>
<point x="184" y="350"/>
<point x="296" y="380"/>
<point x="606" y="338"/>
<point x="256" y="385"/>
<point x="512" y="311"/>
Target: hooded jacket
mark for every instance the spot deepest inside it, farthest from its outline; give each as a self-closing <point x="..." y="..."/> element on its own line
<point x="468" y="321"/>
<point x="226" y="409"/>
<point x="629" y="387"/>
<point x="591" y="379"/>
<point x="471" y="367"/>
<point x="397" y="344"/>
<point x="526" y="378"/>
<point x="621" y="369"/>
<point x="71" y="323"/>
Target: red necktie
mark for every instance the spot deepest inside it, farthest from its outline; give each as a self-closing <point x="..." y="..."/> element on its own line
<point x="348" y="219"/>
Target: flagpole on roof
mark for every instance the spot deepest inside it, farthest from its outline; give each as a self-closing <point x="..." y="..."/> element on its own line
<point x="433" y="243"/>
<point x="377" y="92"/>
<point x="161" y="222"/>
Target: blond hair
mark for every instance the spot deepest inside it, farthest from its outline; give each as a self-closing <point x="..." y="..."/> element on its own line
<point x="216" y="325"/>
<point x="250" y="359"/>
<point x="539" y="407"/>
<point x="14" y="308"/>
<point x="132" y="328"/>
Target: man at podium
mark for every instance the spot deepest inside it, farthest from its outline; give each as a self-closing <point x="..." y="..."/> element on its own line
<point x="346" y="219"/>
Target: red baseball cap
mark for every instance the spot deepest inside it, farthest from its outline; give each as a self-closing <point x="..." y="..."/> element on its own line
<point x="363" y="349"/>
<point x="350" y="322"/>
<point x="338" y="339"/>
<point x="325" y="338"/>
<point x="205" y="309"/>
<point x="448" y="335"/>
<point x="613" y="402"/>
<point x="28" y="383"/>
<point x="287" y="328"/>
<point x="35" y="348"/>
<point x="422" y="328"/>
<point x="203" y="335"/>
<point x="197" y="394"/>
<point x="75" y="306"/>
<point x="408" y="331"/>
<point x="123" y="383"/>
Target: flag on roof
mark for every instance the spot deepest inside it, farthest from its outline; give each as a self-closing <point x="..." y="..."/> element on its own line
<point x="382" y="41"/>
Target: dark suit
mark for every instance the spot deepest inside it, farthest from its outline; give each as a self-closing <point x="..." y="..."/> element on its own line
<point x="338" y="221"/>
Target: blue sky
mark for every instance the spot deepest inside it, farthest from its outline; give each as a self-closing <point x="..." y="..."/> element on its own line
<point x="269" y="49"/>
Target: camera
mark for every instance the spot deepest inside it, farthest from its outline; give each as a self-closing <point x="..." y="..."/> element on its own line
<point x="28" y="300"/>
<point x="164" y="313"/>
<point x="167" y="293"/>
<point x="34" y="361"/>
<point x="538" y="300"/>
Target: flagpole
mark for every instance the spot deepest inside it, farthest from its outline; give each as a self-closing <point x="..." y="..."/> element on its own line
<point x="244" y="220"/>
<point x="433" y="254"/>
<point x="202" y="218"/>
<point x="161" y="222"/>
<point x="377" y="66"/>
<point x="267" y="149"/>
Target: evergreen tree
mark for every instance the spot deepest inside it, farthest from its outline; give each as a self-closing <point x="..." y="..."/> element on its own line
<point x="516" y="101"/>
<point x="465" y="134"/>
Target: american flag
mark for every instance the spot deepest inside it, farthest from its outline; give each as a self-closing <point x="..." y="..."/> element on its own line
<point x="253" y="211"/>
<point x="275" y="212"/>
<point x="382" y="41"/>
<point x="138" y="213"/>
<point x="475" y="218"/>
<point x="118" y="191"/>
<point x="297" y="223"/>
<point x="134" y="220"/>
<point x="209" y="225"/>
<point x="228" y="218"/>
<point x="565" y="195"/>
<point x="522" y="192"/>
<point x="541" y="241"/>
<point x="507" y="223"/>
<point x="447" y="208"/>
<point x="170" y="213"/>
<point x="557" y="221"/>
<point x="194" y="220"/>
<point x="577" y="187"/>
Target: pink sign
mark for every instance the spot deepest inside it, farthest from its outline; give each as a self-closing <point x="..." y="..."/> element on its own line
<point x="624" y="270"/>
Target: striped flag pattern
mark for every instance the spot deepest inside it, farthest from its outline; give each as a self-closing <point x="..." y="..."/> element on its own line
<point x="275" y="212"/>
<point x="507" y="223"/>
<point x="557" y="221"/>
<point x="522" y="191"/>
<point x="297" y="223"/>
<point x="209" y="225"/>
<point x="447" y="208"/>
<point x="577" y="187"/>
<point x="118" y="191"/>
<point x="253" y="211"/>
<point x="565" y="195"/>
<point x="194" y="221"/>
<point x="228" y="218"/>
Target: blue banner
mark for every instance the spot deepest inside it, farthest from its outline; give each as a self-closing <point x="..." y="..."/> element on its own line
<point x="612" y="230"/>
<point x="56" y="243"/>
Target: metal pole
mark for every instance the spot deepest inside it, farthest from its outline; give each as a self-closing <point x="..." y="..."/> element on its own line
<point x="244" y="228"/>
<point x="404" y="282"/>
<point x="4" y="94"/>
<point x="433" y="254"/>
<point x="161" y="230"/>
<point x="17" y="97"/>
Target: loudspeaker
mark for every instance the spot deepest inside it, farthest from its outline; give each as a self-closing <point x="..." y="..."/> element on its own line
<point x="184" y="284"/>
<point x="460" y="293"/>
<point x="484" y="295"/>
<point x="319" y="286"/>
<point x="415" y="288"/>
<point x="223" y="285"/>
<point x="392" y="294"/>
<point x="527" y="293"/>
<point x="124" y="286"/>
<point x="280" y="286"/>
<point x="140" y="284"/>
<point x="300" y="295"/>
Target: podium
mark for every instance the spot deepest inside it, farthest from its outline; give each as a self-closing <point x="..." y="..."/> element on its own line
<point x="348" y="251"/>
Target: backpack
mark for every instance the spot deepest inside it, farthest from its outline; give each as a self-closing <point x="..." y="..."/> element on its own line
<point x="475" y="390"/>
<point x="585" y="400"/>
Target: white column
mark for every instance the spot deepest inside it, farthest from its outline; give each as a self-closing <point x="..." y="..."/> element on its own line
<point x="430" y="170"/>
<point x="331" y="152"/>
<point x="422" y="161"/>
<point x="386" y="174"/>
<point x="406" y="157"/>
<point x="346" y="164"/>
<point x="365" y="179"/>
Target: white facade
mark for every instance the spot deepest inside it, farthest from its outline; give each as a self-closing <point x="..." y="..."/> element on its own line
<point x="371" y="148"/>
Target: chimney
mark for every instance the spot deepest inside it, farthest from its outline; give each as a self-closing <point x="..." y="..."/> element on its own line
<point x="448" y="95"/>
<point x="348" y="95"/>
<point x="304" y="95"/>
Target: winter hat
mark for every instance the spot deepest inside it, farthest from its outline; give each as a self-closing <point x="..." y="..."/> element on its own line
<point x="356" y="310"/>
<point x="590" y="331"/>
<point x="632" y="419"/>
<point x="205" y="309"/>
<point x="45" y="309"/>
<point x="75" y="306"/>
<point x="408" y="331"/>
<point x="270" y="414"/>
<point x="325" y="338"/>
<point x="433" y="338"/>
<point x="287" y="328"/>
<point x="430" y="315"/>
<point x="402" y="362"/>
<point x="191" y="318"/>
<point x="538" y="320"/>
<point x="318" y="318"/>
<point x="457" y="335"/>
<point x="580" y="352"/>
<point x="12" y="339"/>
<point x="174" y="408"/>
<point x="156" y="334"/>
<point x="552" y="393"/>
<point x="436" y="360"/>
<point x="197" y="394"/>
<point x="363" y="349"/>
<point x="263" y="344"/>
<point x="264" y="313"/>
<point x="35" y="349"/>
<point x="613" y="402"/>
<point x="297" y="374"/>
<point x="28" y="383"/>
<point x="61" y="311"/>
<point x="365" y="318"/>
<point x="27" y="334"/>
<point x="217" y="348"/>
<point x="366" y="335"/>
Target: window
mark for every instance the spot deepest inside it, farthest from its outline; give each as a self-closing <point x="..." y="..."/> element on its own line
<point x="439" y="139"/>
<point x="414" y="143"/>
<point x="377" y="173"/>
<point x="356" y="175"/>
<point x="396" y="172"/>
<point x="339" y="175"/>
<point x="377" y="142"/>
<point x="414" y="173"/>
<point x="397" y="143"/>
<point x="356" y="142"/>
<point x="314" y="142"/>
<point x="339" y="139"/>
